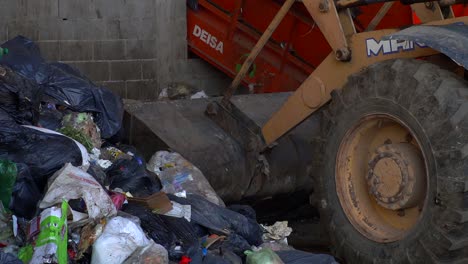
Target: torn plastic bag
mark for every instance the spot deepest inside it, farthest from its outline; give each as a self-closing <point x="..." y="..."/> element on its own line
<point x="178" y="174"/>
<point x="164" y="230"/>
<point x="131" y="176"/>
<point x="263" y="256"/>
<point x="44" y="151"/>
<point x="301" y="257"/>
<point x="26" y="194"/>
<point x="220" y="219"/>
<point x="151" y="254"/>
<point x="120" y="238"/>
<point x="66" y="85"/>
<point x="73" y="183"/>
<point x="8" y="258"/>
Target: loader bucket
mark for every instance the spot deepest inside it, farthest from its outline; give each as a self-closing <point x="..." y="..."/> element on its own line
<point x="183" y="127"/>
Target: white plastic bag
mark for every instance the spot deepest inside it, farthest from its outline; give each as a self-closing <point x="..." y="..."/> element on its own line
<point x="72" y="183"/>
<point x="120" y="238"/>
<point x="178" y="174"/>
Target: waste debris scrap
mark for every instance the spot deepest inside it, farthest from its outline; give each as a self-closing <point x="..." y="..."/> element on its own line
<point x="72" y="192"/>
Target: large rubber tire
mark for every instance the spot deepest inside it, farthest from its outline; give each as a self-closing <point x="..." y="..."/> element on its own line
<point x="434" y="104"/>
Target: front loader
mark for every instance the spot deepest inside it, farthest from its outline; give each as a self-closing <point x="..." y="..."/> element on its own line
<point x="378" y="133"/>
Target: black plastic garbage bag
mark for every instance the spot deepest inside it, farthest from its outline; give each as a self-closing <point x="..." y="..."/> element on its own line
<point x="49" y="117"/>
<point x="164" y="230"/>
<point x="19" y="97"/>
<point x="131" y="150"/>
<point x="215" y="217"/>
<point x="65" y="84"/>
<point x="211" y="258"/>
<point x="132" y="176"/>
<point x="301" y="257"/>
<point x="44" y="153"/>
<point x="25" y="58"/>
<point x="182" y="229"/>
<point x="98" y="173"/>
<point x="213" y="255"/>
<point x="245" y="210"/>
<point x="25" y="195"/>
<point x="8" y="258"/>
<point x="152" y="224"/>
<point x="236" y="244"/>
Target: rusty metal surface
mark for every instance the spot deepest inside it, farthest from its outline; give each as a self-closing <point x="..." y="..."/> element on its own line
<point x="396" y="176"/>
<point x="183" y="127"/>
<point x="240" y="127"/>
<point x="370" y="191"/>
<point x="452" y="40"/>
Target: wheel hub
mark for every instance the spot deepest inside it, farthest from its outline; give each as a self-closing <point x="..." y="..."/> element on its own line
<point x="396" y="173"/>
<point x="381" y="185"/>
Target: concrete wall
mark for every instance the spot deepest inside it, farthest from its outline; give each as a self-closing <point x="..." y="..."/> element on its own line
<point x="134" y="47"/>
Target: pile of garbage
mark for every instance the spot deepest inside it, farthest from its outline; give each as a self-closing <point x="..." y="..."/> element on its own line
<point x="70" y="192"/>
